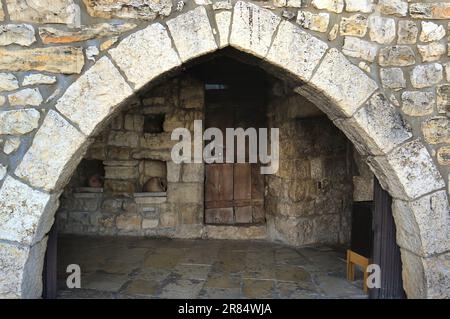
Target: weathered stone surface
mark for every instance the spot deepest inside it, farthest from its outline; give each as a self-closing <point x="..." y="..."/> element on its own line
<point x="128" y="222"/>
<point x="436" y="130"/>
<point x="121" y="172"/>
<point x="355" y="25"/>
<point x="426" y="75"/>
<point x="407" y="32"/>
<point x="143" y="48"/>
<point x="129" y="9"/>
<point x="173" y="172"/>
<point x="443" y="98"/>
<point x="223" y="20"/>
<point x="392" y="78"/>
<point x="349" y="89"/>
<point x="26" y="215"/>
<point x="397" y="8"/>
<point x="193" y="173"/>
<point x="330" y="5"/>
<point x="185" y="192"/>
<point x="11" y="145"/>
<point x="91" y="52"/>
<point x="8" y="82"/>
<point x="431" y="52"/>
<point x="118" y="138"/>
<point x="443" y="155"/>
<point x="67" y="60"/>
<point x="377" y="128"/>
<point x="296" y="51"/>
<point x="249" y="36"/>
<point x="44" y="11"/>
<point x="408" y="171"/>
<point x="18" y="122"/>
<point x="3" y="169"/>
<point x="97" y="92"/>
<point x="357" y="48"/>
<point x="54" y="35"/>
<point x="423" y="224"/>
<point x="431" y="32"/>
<point x="418" y="103"/>
<point x="21" y="270"/>
<point x="433" y="11"/>
<point x="365" y="6"/>
<point x="398" y="55"/>
<point x="22" y="34"/>
<point x="192" y="34"/>
<point x="55" y="152"/>
<point x="381" y="30"/>
<point x="36" y="78"/>
<point x="313" y="21"/>
<point x="222" y="5"/>
<point x="26" y="97"/>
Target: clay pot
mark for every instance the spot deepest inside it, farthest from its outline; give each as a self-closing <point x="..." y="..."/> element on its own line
<point x="96" y="181"/>
<point x="155" y="185"/>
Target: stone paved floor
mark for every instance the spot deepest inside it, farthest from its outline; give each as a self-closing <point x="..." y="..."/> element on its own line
<point x="160" y="268"/>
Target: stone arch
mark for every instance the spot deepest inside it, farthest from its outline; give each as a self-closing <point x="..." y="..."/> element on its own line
<point x="353" y="101"/>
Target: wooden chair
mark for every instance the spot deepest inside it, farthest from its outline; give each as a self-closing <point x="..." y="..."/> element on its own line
<point x="354" y="259"/>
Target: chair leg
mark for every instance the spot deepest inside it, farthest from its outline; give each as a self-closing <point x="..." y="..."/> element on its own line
<point x="350" y="267"/>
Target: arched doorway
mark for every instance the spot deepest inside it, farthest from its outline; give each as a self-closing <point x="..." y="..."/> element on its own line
<point x="401" y="162"/>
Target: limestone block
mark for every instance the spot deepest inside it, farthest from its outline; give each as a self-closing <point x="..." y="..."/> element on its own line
<point x="365" y="6"/>
<point x="44" y="11"/>
<point x="336" y="6"/>
<point x="223" y="21"/>
<point x="100" y="30"/>
<point x="436" y="130"/>
<point x="18" y="122"/>
<point x="392" y="78"/>
<point x="21" y="34"/>
<point x="8" y="82"/>
<point x="26" y="215"/>
<point x="251" y="37"/>
<point x="423" y="225"/>
<point x="358" y="48"/>
<point x="37" y="78"/>
<point x="55" y="152"/>
<point x="192" y="34"/>
<point x="418" y="103"/>
<point x="408" y="171"/>
<point x="21" y="270"/>
<point x="433" y="11"/>
<point x="431" y="32"/>
<point x="397" y="55"/>
<point x="129" y="9"/>
<point x="97" y="92"/>
<point x="296" y="51"/>
<point x="314" y="21"/>
<point x="62" y="59"/>
<point x="431" y="52"/>
<point x="25" y="97"/>
<point x="381" y="30"/>
<point x="143" y="48"/>
<point x="397" y="8"/>
<point x="346" y="84"/>
<point x="355" y="25"/>
<point x="426" y="75"/>
<point x="407" y="32"/>
<point x="377" y="128"/>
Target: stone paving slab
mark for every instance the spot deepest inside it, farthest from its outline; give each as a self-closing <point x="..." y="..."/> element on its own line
<point x="188" y="269"/>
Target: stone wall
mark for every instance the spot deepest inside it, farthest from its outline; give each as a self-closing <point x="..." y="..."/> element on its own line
<point x="67" y="65"/>
<point x="309" y="200"/>
<point x="132" y="152"/>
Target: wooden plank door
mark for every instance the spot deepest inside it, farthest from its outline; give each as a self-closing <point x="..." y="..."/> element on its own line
<point x="386" y="252"/>
<point x="234" y="193"/>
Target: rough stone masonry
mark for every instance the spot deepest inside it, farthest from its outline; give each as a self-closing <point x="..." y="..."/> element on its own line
<point x="378" y="68"/>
